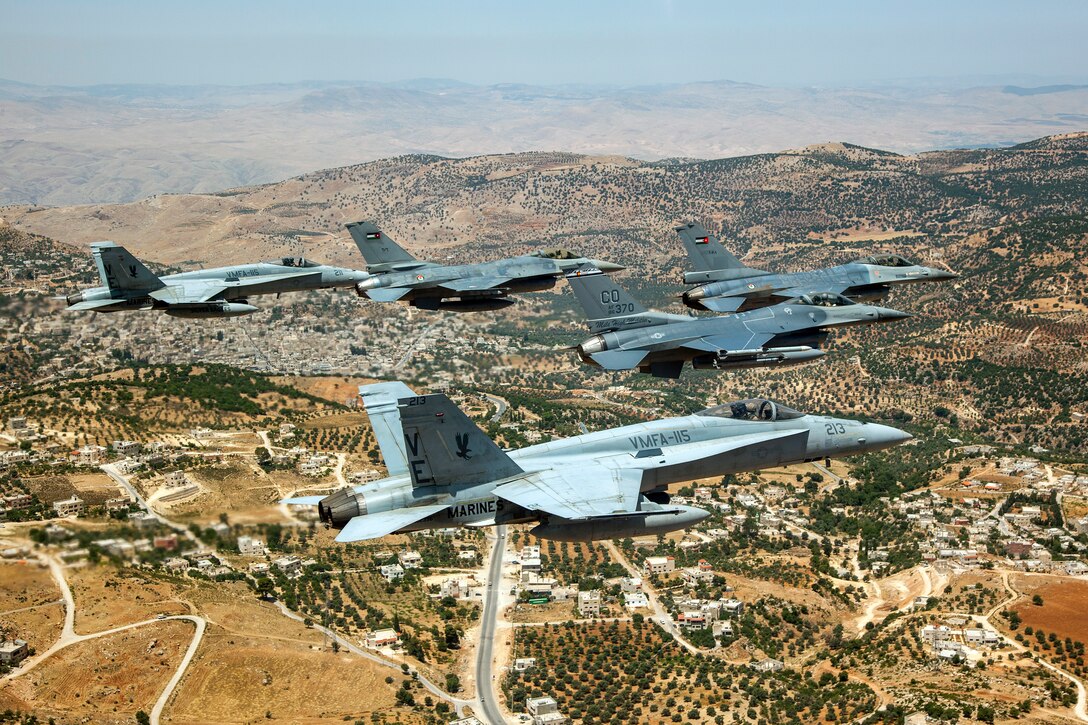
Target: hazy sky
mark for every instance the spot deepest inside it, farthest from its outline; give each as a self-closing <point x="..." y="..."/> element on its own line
<point x="831" y="42"/>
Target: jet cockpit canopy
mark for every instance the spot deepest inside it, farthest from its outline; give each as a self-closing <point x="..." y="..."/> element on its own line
<point x="298" y="262"/>
<point x="753" y="409"/>
<point x="886" y="260"/>
<point x="556" y="253"/>
<point x="823" y="299"/>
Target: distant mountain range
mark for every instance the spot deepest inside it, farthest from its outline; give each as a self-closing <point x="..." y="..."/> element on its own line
<point x="116" y="143"/>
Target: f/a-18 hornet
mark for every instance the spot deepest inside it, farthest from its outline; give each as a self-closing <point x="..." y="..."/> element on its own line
<point x="444" y="471"/>
<point x="628" y="336"/>
<point x="726" y="285"/>
<point x="398" y="276"/>
<point x="214" y="292"/>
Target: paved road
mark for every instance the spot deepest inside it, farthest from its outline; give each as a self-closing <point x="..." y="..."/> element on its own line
<point x="201" y="625"/>
<point x="486" y="690"/>
<point x="661" y="616"/>
<point x="501" y="406"/>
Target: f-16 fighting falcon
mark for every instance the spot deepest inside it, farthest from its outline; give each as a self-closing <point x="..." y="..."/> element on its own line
<point x="629" y="336"/>
<point x="444" y="471"/>
<point x="726" y="285"/>
<point x="214" y="292"/>
<point x="397" y="275"/>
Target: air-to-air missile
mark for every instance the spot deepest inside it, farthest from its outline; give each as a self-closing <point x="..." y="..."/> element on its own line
<point x="214" y="292"/>
<point x="629" y="337"/>
<point x="444" y="471"/>
<point x="726" y="285"/>
<point x="398" y="276"/>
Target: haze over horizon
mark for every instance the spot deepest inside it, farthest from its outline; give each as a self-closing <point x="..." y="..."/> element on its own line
<point x="122" y="100"/>
<point x="836" y="43"/>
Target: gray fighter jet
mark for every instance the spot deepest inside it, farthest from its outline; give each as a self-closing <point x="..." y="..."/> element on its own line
<point x="462" y="288"/>
<point x="726" y="285"/>
<point x="629" y="336"/>
<point x="444" y="471"/>
<point x="214" y="292"/>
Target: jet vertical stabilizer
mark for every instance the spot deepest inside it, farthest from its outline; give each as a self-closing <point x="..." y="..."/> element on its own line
<point x="382" y="254"/>
<point x="708" y="255"/>
<point x="121" y="272"/>
<point x="445" y="447"/>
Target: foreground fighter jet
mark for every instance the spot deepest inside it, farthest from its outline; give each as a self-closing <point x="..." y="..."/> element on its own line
<point x="629" y="336"/>
<point x="463" y="287"/>
<point x="444" y="471"/>
<point x="728" y="286"/>
<point x="215" y="292"/>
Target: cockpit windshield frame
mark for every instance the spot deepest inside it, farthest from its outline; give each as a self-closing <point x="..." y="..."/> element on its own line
<point x="822" y="299"/>
<point x="886" y="260"/>
<point x="295" y="262"/>
<point x="754" y="409"/>
<point x="556" y="253"/>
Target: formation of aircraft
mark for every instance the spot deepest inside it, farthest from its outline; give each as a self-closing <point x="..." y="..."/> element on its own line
<point x="726" y="285"/>
<point x="398" y="276"/>
<point x="628" y="336"/>
<point x="216" y="292"/>
<point x="444" y="471"/>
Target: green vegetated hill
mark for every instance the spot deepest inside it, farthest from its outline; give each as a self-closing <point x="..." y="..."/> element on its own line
<point x="136" y="400"/>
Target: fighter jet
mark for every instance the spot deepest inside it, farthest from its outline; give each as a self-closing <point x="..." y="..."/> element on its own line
<point x="629" y="336"/>
<point x="726" y="285"/>
<point x="214" y="292"/>
<point x="444" y="471"/>
<point x="461" y="288"/>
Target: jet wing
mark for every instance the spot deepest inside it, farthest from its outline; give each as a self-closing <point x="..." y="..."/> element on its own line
<point x="581" y="493"/>
<point x="723" y="304"/>
<point x="619" y="359"/>
<point x="387" y="294"/>
<point x="374" y="526"/>
<point x="475" y="284"/>
<point x="740" y="340"/>
<point x="303" y="500"/>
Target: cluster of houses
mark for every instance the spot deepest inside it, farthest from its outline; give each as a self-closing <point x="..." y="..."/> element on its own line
<point x="958" y="640"/>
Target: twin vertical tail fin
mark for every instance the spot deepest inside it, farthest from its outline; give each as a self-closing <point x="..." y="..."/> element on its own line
<point x="381" y="253"/>
<point x="380" y="402"/>
<point x="445" y="448"/>
<point x="708" y="255"/>
<point x="121" y="272"/>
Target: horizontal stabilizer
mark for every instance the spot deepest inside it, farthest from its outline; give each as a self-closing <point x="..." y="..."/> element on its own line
<point x="303" y="500"/>
<point x="576" y="494"/>
<point x="95" y="304"/>
<point x="619" y="359"/>
<point x="375" y="526"/>
<point x="475" y="284"/>
<point x="387" y="294"/>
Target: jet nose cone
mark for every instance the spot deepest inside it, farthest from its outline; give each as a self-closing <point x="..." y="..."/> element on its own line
<point x="886" y="314"/>
<point x="607" y="266"/>
<point x="875" y="437"/>
<point x="942" y="274"/>
<point x="690" y="515"/>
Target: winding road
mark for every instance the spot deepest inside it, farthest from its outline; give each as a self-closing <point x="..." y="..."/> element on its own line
<point x="68" y="637"/>
<point x="486" y="690"/>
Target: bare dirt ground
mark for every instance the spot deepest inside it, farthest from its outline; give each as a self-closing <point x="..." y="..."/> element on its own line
<point x="105" y="680"/>
<point x="29" y="604"/>
<point x="243" y="491"/>
<point x="104" y="599"/>
<point x="338" y="389"/>
<point x="1063" y="605"/>
<point x="235" y="679"/>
